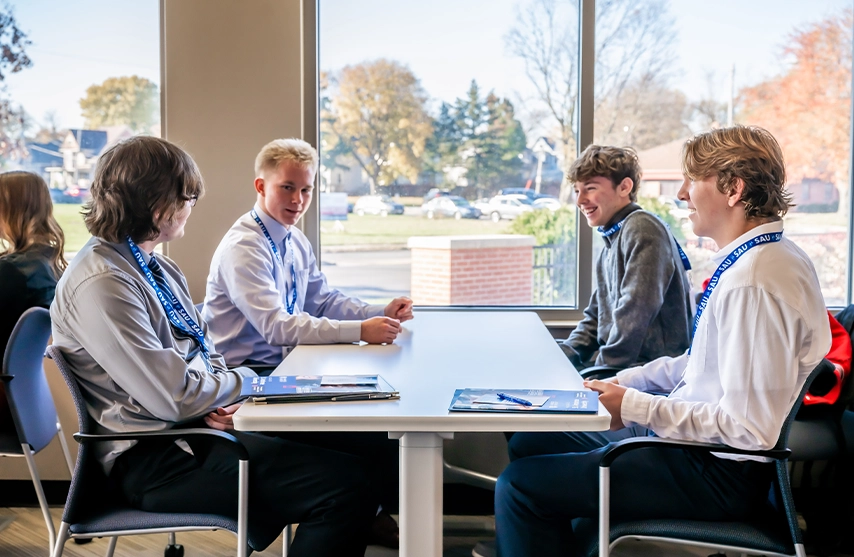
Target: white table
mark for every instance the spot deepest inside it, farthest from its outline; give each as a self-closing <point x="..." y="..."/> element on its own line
<point x="437" y="353"/>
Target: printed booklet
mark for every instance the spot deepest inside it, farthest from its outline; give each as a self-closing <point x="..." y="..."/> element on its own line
<point x="524" y="400"/>
<point x="317" y="388"/>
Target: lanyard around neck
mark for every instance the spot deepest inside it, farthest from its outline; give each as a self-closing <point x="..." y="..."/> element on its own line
<point x="292" y="302"/>
<point x="728" y="262"/>
<point x="614" y="229"/>
<point x="173" y="307"/>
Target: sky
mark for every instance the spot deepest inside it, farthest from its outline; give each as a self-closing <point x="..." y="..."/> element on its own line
<point x="446" y="43"/>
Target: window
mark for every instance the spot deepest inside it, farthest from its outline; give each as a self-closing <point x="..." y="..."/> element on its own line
<point x="776" y="65"/>
<point x="664" y="70"/>
<point x="88" y="76"/>
<point x="446" y="115"/>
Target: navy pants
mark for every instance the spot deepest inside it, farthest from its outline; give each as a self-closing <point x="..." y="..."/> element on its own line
<point x="554" y="478"/>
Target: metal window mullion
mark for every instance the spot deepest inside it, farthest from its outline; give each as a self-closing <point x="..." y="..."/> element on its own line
<point x="587" y="62"/>
<point x="850" y="190"/>
<point x="310" y="223"/>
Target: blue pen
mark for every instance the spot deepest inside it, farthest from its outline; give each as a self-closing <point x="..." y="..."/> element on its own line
<point x="508" y="398"/>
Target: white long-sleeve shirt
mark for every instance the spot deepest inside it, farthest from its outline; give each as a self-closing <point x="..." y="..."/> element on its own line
<point x="763" y="331"/>
<point x="247" y="289"/>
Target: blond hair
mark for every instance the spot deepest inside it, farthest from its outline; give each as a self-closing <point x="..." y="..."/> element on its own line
<point x="614" y="163"/>
<point x="26" y="217"/>
<point x="747" y="152"/>
<point x="280" y="151"/>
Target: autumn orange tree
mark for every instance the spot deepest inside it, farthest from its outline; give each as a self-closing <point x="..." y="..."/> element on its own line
<point x="808" y="107"/>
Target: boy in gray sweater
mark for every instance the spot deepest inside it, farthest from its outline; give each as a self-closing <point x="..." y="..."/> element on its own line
<point x="640" y="309"/>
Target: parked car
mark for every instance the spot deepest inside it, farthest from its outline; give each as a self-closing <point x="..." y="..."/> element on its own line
<point x="527" y="192"/>
<point x="381" y="205"/>
<point x="435" y="192"/>
<point x="547" y="202"/>
<point x="71" y="194"/>
<point x="450" y="206"/>
<point x="504" y="207"/>
<point x="677" y="208"/>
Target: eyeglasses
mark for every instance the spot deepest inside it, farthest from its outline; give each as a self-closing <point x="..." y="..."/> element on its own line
<point x="192" y="200"/>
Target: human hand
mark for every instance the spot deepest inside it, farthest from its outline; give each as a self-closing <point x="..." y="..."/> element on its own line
<point x="400" y="309"/>
<point x="378" y="330"/>
<point x="611" y="396"/>
<point x="221" y="418"/>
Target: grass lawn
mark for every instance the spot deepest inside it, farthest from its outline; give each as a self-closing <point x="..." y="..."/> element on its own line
<point x="69" y="218"/>
<point x="396" y="229"/>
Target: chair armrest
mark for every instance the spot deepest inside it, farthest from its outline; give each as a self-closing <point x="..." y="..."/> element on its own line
<point x="626" y="445"/>
<point x="232" y="441"/>
<point x="6" y="378"/>
<point x="599" y="372"/>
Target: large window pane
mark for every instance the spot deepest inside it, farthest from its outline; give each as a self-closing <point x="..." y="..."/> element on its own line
<point x="445" y="129"/>
<point x="86" y="74"/>
<point x="784" y="65"/>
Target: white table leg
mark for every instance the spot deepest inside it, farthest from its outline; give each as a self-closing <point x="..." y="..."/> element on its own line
<point x="420" y="494"/>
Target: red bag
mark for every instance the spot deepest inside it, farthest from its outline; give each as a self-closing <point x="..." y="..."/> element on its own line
<point x="826" y="388"/>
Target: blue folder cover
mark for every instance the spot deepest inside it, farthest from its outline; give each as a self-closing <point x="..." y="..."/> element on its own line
<point x="296" y="386"/>
<point x="574" y="402"/>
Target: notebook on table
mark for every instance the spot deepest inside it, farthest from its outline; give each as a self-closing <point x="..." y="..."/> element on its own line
<point x="317" y="388"/>
<point x="525" y="400"/>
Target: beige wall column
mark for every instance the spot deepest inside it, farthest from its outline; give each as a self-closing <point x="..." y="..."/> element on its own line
<point x="231" y="83"/>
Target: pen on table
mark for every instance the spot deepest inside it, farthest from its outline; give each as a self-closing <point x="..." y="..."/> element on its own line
<point x="517" y="400"/>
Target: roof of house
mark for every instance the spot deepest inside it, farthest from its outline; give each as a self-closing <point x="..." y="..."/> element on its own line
<point x="663" y="162"/>
<point x="91" y="142"/>
<point x="45" y="153"/>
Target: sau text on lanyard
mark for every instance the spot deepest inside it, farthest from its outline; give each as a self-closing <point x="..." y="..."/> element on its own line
<point x="613" y="230"/>
<point x="726" y="264"/>
<point x="173" y="307"/>
<point x="290" y="300"/>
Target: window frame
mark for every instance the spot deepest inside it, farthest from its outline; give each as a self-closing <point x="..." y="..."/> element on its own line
<point x="560" y="316"/>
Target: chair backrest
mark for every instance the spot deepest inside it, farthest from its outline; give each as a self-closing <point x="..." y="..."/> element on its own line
<point x="824" y="366"/>
<point x="30" y="400"/>
<point x="88" y="474"/>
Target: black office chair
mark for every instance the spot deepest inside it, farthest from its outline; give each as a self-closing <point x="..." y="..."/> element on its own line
<point x="775" y="532"/>
<point x="93" y="510"/>
<point x="30" y="400"/>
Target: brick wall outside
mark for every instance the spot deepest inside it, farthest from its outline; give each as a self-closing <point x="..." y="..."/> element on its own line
<point x="472" y="270"/>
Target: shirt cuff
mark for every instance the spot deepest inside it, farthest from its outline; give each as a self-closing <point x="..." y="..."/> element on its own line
<point x="635" y="408"/>
<point x="244" y="372"/>
<point x="349" y="331"/>
<point x="374" y="310"/>
<point x="632" y="378"/>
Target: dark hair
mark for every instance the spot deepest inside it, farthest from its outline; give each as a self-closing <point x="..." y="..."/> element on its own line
<point x="26" y="217"/>
<point x="139" y="183"/>
<point x="614" y="163"/>
<point x="747" y="152"/>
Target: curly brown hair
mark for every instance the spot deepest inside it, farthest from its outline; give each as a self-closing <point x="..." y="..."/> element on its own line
<point x="747" y="152"/>
<point x="26" y="217"/>
<point x="614" y="163"/>
<point x="140" y="183"/>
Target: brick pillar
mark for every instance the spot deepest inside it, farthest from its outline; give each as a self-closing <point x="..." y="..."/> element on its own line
<point x="495" y="269"/>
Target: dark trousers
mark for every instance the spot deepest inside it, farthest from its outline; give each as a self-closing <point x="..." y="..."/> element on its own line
<point x="554" y="478"/>
<point x="380" y="454"/>
<point x="326" y="492"/>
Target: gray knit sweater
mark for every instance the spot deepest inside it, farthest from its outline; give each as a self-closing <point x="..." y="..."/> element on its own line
<point x="641" y="307"/>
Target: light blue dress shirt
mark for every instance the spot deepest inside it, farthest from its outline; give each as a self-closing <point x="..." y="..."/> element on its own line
<point x="246" y="291"/>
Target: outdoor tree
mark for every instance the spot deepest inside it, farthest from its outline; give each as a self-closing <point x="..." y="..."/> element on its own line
<point x="634" y="54"/>
<point x="808" y="107"/>
<point x="13" y="59"/>
<point x="377" y="113"/>
<point x="132" y="101"/>
<point x="481" y="136"/>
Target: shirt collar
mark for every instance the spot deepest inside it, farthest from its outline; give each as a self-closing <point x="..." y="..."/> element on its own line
<point x="767" y="228"/>
<point x="277" y="230"/>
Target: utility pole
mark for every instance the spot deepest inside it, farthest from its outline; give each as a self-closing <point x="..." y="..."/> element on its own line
<point x="731" y="95"/>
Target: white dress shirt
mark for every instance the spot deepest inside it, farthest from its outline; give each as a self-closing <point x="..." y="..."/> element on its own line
<point x="763" y="331"/>
<point x="247" y="288"/>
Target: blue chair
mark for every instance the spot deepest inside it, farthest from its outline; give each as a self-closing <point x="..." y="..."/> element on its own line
<point x="94" y="510"/>
<point x="30" y="400"/>
<point x="775" y="532"/>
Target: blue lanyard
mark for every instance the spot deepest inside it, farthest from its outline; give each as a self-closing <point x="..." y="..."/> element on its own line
<point x="291" y="304"/>
<point x="685" y="261"/>
<point x="726" y="264"/>
<point x="171" y="305"/>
